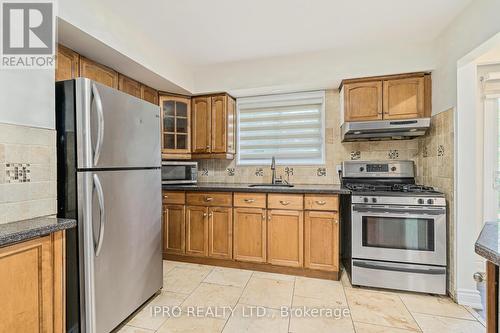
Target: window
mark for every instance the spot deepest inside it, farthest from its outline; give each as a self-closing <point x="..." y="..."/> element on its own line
<point x="287" y="126"/>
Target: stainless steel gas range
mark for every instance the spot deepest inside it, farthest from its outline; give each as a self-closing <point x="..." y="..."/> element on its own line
<point x="395" y="235"/>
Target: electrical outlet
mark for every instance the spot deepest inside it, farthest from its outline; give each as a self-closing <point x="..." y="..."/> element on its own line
<point x="338" y="168"/>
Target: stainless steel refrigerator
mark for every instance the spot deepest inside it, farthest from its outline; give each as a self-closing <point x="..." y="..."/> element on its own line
<point x="109" y="179"/>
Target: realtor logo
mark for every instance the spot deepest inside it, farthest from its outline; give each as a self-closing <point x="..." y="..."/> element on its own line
<point x="28" y="34"/>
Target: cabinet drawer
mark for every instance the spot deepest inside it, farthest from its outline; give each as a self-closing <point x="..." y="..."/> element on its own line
<point x="177" y="198"/>
<point x="210" y="199"/>
<point x="321" y="202"/>
<point x="257" y="200"/>
<point x="285" y="201"/>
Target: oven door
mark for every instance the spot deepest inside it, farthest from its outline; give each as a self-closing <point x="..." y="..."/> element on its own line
<point x="408" y="234"/>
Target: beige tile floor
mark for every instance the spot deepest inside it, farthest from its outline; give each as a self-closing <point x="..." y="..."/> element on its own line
<point x="190" y="286"/>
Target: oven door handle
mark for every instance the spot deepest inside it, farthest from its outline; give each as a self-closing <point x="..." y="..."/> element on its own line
<point x="388" y="267"/>
<point x="418" y="211"/>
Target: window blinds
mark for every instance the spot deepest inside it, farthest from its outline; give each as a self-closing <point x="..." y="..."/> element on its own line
<point x="288" y="126"/>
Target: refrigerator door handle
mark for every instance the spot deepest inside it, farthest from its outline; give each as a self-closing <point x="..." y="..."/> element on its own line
<point x="102" y="212"/>
<point x="100" y="123"/>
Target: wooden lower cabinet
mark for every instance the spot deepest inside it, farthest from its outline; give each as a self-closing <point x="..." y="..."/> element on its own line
<point x="174" y="228"/>
<point x="250" y="228"/>
<point x="321" y="240"/>
<point x="32" y="285"/>
<point x="285" y="235"/>
<point x="197" y="230"/>
<point x="220" y="232"/>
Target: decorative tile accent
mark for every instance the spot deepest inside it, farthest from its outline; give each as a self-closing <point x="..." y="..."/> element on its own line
<point x="289" y="171"/>
<point x="204" y="172"/>
<point x="355" y="155"/>
<point x="425" y="152"/>
<point x="230" y="172"/>
<point x="17" y="172"/>
<point x="259" y="172"/>
<point x="440" y="150"/>
<point x="393" y="154"/>
<point x="321" y="172"/>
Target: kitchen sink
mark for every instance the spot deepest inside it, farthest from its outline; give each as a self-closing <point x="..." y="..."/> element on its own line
<point x="270" y="185"/>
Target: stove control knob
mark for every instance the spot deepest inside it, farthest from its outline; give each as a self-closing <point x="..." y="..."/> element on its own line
<point x="374" y="200"/>
<point x="393" y="169"/>
<point x="430" y="201"/>
<point x="361" y="169"/>
<point x="365" y="199"/>
<point x="421" y="201"/>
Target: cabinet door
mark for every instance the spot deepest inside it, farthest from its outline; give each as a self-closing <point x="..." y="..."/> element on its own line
<point x="202" y="109"/>
<point x="219" y="124"/>
<point x="363" y="101"/>
<point x="66" y="64"/>
<point x="231" y="127"/>
<point x="285" y="234"/>
<point x="31" y="285"/>
<point x="197" y="231"/>
<point x="149" y="94"/>
<point x="250" y="227"/>
<point x="174" y="229"/>
<point x="220" y="232"/>
<point x="321" y="234"/>
<point x="98" y="72"/>
<point x="129" y="86"/>
<point x="404" y="98"/>
<point x="176" y="129"/>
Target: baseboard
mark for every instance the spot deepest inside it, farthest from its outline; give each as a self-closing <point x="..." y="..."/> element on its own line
<point x="469" y="297"/>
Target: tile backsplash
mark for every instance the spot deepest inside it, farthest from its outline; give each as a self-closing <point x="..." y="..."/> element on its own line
<point x="336" y="152"/>
<point x="27" y="172"/>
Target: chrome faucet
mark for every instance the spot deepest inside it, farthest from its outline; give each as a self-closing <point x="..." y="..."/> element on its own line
<point x="273" y="171"/>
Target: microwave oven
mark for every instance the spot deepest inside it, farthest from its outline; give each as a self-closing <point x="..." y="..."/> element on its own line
<point x="179" y="172"/>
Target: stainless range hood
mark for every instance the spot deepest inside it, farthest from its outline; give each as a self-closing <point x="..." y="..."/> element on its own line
<point x="384" y="129"/>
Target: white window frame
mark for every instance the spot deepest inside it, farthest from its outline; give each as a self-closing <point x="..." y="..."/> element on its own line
<point x="292" y="99"/>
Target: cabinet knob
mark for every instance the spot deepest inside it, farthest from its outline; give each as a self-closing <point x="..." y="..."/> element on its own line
<point x="208" y="147"/>
<point x="284" y="203"/>
<point x="336" y="221"/>
<point x="165" y="196"/>
<point x="249" y="200"/>
<point x="210" y="215"/>
<point x="208" y="199"/>
<point x="321" y="202"/>
<point x="204" y="214"/>
<point x="263" y="217"/>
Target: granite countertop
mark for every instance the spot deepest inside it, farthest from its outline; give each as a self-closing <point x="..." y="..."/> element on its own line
<point x="19" y="231"/>
<point x="228" y="187"/>
<point x="488" y="244"/>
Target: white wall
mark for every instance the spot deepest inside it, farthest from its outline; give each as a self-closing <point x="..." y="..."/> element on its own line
<point x="27" y="97"/>
<point x="309" y="71"/>
<point x="478" y="22"/>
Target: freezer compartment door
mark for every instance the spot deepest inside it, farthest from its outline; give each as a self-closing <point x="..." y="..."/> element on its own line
<point x="114" y="129"/>
<point x="121" y="215"/>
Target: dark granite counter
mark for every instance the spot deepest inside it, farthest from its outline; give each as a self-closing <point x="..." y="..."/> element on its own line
<point x="488" y="244"/>
<point x="228" y="187"/>
<point x="19" y="231"/>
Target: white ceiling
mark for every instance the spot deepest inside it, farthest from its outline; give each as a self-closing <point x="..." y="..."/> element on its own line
<point x="200" y="32"/>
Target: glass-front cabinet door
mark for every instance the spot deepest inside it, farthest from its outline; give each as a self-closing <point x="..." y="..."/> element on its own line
<point x="176" y="129"/>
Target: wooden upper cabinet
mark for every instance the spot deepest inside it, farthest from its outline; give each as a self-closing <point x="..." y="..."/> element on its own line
<point x="404" y="98"/>
<point x="202" y="115"/>
<point x="129" y="86"/>
<point x="213" y="126"/>
<point x="98" y="72"/>
<point x="32" y="285"/>
<point x="392" y="97"/>
<point x="285" y="235"/>
<point x="175" y="127"/>
<point x="321" y="240"/>
<point x="149" y="94"/>
<point x="363" y="101"/>
<point x="219" y="124"/>
<point x="67" y="64"/>
<point x="249" y="238"/>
